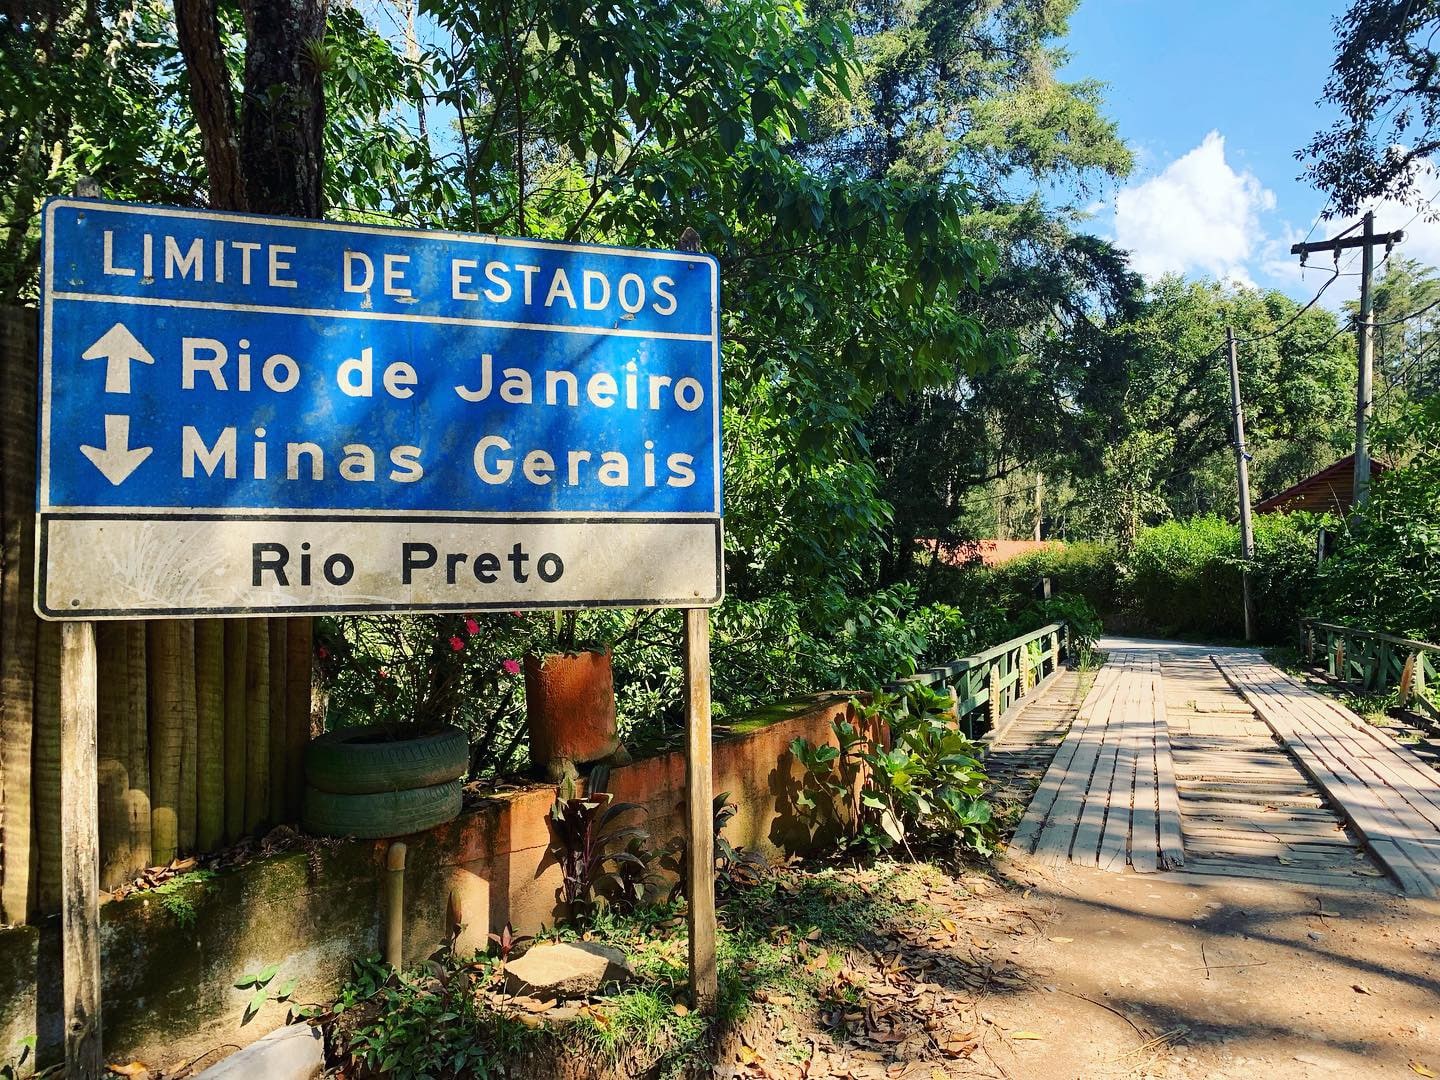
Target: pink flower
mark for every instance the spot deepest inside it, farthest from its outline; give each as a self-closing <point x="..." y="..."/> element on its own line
<point x="471" y="626"/>
<point x="456" y="644"/>
<point x="512" y="667"/>
<point x="516" y="614"/>
<point x="322" y="652"/>
<point x="384" y="673"/>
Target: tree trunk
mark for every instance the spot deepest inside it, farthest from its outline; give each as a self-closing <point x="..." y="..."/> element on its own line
<point x="112" y="740"/>
<point x="211" y="101"/>
<point x="166" y="738"/>
<point x="283" y="123"/>
<point x="257" y="725"/>
<point x="279" y="734"/>
<point x="137" y="799"/>
<point x="236" y="637"/>
<point x="210" y="733"/>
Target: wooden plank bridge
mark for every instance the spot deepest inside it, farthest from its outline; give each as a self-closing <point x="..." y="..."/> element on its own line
<point x="1218" y="764"/>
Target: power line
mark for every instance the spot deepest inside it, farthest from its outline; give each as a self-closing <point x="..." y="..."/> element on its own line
<point x="1406" y="318"/>
<point x="1319" y="218"/>
<point x="1393" y="382"/>
<point x="1293" y="318"/>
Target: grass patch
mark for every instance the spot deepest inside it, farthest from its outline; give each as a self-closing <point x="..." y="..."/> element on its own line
<point x="780" y="941"/>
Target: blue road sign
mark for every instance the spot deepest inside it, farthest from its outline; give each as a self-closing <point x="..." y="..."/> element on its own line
<point x="243" y="414"/>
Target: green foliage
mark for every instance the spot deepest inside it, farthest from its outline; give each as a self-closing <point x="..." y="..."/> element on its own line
<point x="1184" y="576"/>
<point x="179" y="895"/>
<point x="1090" y="571"/>
<point x="1383" y="83"/>
<point x="1384" y="573"/>
<point x="1172" y="457"/>
<point x="261" y="991"/>
<point x="925" y="785"/>
<point x="1080" y="618"/>
<point x="425" y="1022"/>
<point x="430" y="669"/>
<point x="1406" y="345"/>
<point x="781" y="646"/>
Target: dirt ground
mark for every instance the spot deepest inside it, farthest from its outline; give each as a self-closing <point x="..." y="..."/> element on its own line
<point x="1164" y="976"/>
<point x="1044" y="974"/>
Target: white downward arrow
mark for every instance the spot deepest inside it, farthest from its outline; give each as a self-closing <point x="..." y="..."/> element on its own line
<point x="117" y="461"/>
<point x="117" y="347"/>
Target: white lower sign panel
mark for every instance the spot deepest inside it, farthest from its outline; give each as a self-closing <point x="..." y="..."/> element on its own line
<point x="130" y="565"/>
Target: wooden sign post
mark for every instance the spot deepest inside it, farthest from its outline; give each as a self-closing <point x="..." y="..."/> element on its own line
<point x="699" y="812"/>
<point x="80" y="851"/>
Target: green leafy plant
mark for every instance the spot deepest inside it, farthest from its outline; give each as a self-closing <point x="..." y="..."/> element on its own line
<point x="179" y="895"/>
<point x="1384" y="572"/>
<point x="259" y="983"/>
<point x="599" y="857"/>
<point x="927" y="782"/>
<point x="735" y="867"/>
<point x="1079" y="617"/>
<point x="430" y="1021"/>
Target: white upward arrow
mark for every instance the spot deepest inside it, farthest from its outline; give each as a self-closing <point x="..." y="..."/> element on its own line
<point x="117" y="346"/>
<point x="117" y="461"/>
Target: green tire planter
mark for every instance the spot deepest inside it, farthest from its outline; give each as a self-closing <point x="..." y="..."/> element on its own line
<point x="375" y="815"/>
<point x="367" y="760"/>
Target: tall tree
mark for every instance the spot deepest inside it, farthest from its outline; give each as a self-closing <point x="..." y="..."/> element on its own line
<point x="1171" y="457"/>
<point x="1385" y="81"/>
<point x="268" y="157"/>
<point x="1407" y="334"/>
<point x="969" y="92"/>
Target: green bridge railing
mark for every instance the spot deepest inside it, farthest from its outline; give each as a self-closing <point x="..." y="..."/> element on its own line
<point x="1375" y="661"/>
<point x="986" y="685"/>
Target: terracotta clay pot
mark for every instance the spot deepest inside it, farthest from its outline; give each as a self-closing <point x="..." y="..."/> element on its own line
<point x="570" y="706"/>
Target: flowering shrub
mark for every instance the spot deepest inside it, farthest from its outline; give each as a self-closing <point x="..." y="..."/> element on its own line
<point x="428" y="669"/>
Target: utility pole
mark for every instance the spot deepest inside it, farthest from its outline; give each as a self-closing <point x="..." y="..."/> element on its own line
<point x="1039" y="505"/>
<point x="1242" y="473"/>
<point x="1367" y="242"/>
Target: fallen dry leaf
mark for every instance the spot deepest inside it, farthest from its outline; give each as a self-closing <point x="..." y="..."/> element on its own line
<point x="1420" y="1070"/>
<point x="681" y="1009"/>
<point x="133" y="1069"/>
<point x="1361" y="988"/>
<point x="1026" y="1035"/>
<point x="1062" y="940"/>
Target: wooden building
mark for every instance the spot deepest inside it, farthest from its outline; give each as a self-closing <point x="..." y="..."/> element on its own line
<point x="1331" y="490"/>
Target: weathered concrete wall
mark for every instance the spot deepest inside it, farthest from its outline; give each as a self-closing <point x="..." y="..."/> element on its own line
<point x="170" y="995"/>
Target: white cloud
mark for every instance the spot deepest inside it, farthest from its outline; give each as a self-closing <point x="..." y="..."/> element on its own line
<point x="1196" y="216"/>
<point x="1421" y="243"/>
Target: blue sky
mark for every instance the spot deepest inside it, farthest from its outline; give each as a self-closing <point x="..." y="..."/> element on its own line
<point x="1214" y="97"/>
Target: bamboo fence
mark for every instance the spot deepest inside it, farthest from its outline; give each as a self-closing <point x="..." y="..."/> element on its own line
<point x="202" y="723"/>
